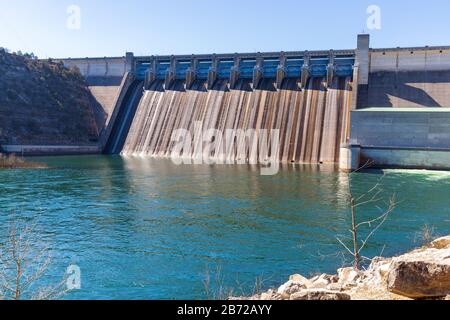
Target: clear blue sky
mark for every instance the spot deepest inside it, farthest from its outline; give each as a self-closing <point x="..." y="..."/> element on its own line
<point x="112" y="27"/>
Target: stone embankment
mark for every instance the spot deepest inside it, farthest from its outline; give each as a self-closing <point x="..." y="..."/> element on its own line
<point x="421" y="274"/>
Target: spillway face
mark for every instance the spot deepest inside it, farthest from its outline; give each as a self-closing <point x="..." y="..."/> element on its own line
<point x="311" y="122"/>
<point x="124" y="119"/>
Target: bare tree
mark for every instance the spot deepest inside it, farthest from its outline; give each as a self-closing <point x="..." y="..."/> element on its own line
<point x="374" y="197"/>
<point x="24" y="260"/>
<point x="217" y="290"/>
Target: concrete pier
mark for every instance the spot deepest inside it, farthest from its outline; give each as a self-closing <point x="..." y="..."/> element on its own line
<point x="350" y="157"/>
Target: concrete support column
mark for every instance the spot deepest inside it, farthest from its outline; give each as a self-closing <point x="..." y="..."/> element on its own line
<point x="258" y="72"/>
<point x="350" y="157"/>
<point x="191" y="74"/>
<point x="170" y="73"/>
<point x="235" y="71"/>
<point x="106" y="67"/>
<point x="212" y="73"/>
<point x="363" y="64"/>
<point x="150" y="75"/>
<point x="305" y="70"/>
<point x="129" y="62"/>
<point x="354" y="102"/>
<point x="281" y="71"/>
<point x="330" y="70"/>
<point x="362" y="58"/>
<point x="88" y="68"/>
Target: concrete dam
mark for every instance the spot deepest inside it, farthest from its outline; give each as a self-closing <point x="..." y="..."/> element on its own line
<point x="338" y="106"/>
<point x="306" y="96"/>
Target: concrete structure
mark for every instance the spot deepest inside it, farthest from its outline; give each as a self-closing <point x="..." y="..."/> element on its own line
<point x="100" y="67"/>
<point x="404" y="138"/>
<point x="386" y="84"/>
<point x="49" y="149"/>
<point x="406" y="77"/>
<point x="107" y="80"/>
<point x="256" y="66"/>
<point x="402" y="115"/>
<point x="350" y="157"/>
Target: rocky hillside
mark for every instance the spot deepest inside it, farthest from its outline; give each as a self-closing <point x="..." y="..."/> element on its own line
<point x="421" y="274"/>
<point x="43" y="103"/>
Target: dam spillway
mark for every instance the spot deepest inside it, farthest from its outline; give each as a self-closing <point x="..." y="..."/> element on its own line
<point x="312" y="122"/>
<point x="304" y="97"/>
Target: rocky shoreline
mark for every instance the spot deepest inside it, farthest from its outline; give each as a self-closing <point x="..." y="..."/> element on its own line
<point x="421" y="274"/>
<point x="13" y="162"/>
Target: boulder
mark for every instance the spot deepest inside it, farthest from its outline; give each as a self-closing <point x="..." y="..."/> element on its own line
<point x="300" y="279"/>
<point x="376" y="275"/>
<point x="380" y="265"/>
<point x="441" y="243"/>
<point x="319" y="294"/>
<point x="321" y="282"/>
<point x="424" y="273"/>
<point x="270" y="295"/>
<point x="295" y="284"/>
<point x="335" y="287"/>
<point x="348" y="277"/>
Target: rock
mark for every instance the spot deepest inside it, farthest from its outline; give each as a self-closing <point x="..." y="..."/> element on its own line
<point x="376" y="275"/>
<point x="321" y="282"/>
<point x="295" y="284"/>
<point x="290" y="287"/>
<point x="335" y="287"/>
<point x="424" y="273"/>
<point x="420" y="274"/>
<point x="348" y="277"/>
<point x="270" y="295"/>
<point x="441" y="243"/>
<point x="254" y="298"/>
<point x="300" y="279"/>
<point x="265" y="296"/>
<point x="380" y="265"/>
<point x="319" y="294"/>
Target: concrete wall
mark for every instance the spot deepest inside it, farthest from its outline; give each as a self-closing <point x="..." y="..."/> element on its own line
<point x="409" y="138"/>
<point x="409" y="89"/>
<point x="408" y="77"/>
<point x="24" y="150"/>
<point x="105" y="91"/>
<point x="98" y="67"/>
<point x="413" y="59"/>
<point x="421" y="129"/>
<point x="104" y="77"/>
<point x="407" y="158"/>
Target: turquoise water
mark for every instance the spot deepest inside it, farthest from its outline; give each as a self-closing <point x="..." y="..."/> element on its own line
<point x="147" y="229"/>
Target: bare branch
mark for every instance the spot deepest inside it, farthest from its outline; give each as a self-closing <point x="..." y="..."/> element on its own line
<point x="345" y="246"/>
<point x="372" y="196"/>
<point x="384" y="217"/>
<point x="368" y="164"/>
<point x="24" y="260"/>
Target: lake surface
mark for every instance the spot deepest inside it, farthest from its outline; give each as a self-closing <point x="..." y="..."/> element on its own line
<point x="148" y="229"/>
